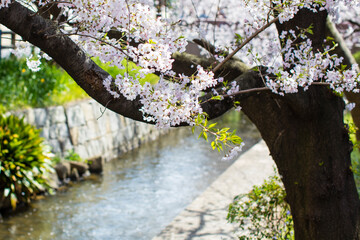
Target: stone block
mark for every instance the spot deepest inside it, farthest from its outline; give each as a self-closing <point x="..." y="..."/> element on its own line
<point x="87" y="109"/>
<point x="129" y="132"/>
<point x="82" y="151"/>
<point x="74" y="135"/>
<point x="74" y="176"/>
<point x="75" y="116"/>
<point x="66" y="145"/>
<point x="107" y="142"/>
<point x="56" y="115"/>
<point x="63" y="170"/>
<point x="118" y="139"/>
<point x="93" y="129"/>
<point x="96" y="164"/>
<point x="41" y="117"/>
<point x="79" y="166"/>
<point x="59" y="131"/>
<point x="45" y="133"/>
<point x="114" y="122"/>
<point x="95" y="148"/>
<point x="29" y="116"/>
<point x="62" y="131"/>
<point x="53" y="133"/>
<point x="84" y="134"/>
<point x="103" y="125"/>
<point x="122" y="121"/>
<point x="55" y="146"/>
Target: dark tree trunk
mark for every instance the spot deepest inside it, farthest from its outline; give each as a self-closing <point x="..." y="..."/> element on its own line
<point x="311" y="148"/>
<point x="308" y="141"/>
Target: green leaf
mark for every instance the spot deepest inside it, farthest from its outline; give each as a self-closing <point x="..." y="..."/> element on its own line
<point x="224" y="129"/>
<point x="216" y="97"/>
<point x="205" y="136"/>
<point x="213" y="145"/>
<point x="212" y="125"/>
<point x="236" y="140"/>
<point x="13" y="200"/>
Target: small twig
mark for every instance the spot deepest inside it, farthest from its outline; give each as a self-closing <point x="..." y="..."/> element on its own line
<point x="89" y="36"/>
<point x="240" y="92"/>
<point x="103" y="112"/>
<point x="320" y="83"/>
<point x="244" y="43"/>
<point x="247" y="91"/>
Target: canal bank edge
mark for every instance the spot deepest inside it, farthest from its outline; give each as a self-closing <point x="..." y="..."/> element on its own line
<point x="205" y="217"/>
<point x="89" y="129"/>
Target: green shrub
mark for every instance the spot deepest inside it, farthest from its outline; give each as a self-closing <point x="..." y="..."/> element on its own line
<point x="21" y="87"/>
<point x="263" y="213"/>
<point x="71" y="155"/>
<point x="24" y="161"/>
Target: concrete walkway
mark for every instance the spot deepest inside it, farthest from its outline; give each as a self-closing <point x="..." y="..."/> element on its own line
<point x="205" y="217"/>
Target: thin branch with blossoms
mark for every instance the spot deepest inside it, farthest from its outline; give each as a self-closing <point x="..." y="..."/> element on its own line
<point x="217" y="67"/>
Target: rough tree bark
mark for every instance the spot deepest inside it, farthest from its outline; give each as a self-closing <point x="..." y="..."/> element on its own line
<point x="307" y="140"/>
<point x="310" y="145"/>
<point x="304" y="132"/>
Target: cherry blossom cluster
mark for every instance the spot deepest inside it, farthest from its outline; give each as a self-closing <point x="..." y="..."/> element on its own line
<point x="233" y="152"/>
<point x="31" y="53"/>
<point x="141" y="36"/>
<point x="165" y="103"/>
<point x="4" y="3"/>
<point x="308" y="67"/>
<point x="348" y="24"/>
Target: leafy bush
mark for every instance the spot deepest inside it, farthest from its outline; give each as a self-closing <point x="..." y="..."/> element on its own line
<point x="71" y="155"/>
<point x="24" y="161"/>
<point x="21" y="87"/>
<point x="263" y="213"/>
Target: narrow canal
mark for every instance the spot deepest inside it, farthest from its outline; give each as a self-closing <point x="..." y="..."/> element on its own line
<point x="136" y="197"/>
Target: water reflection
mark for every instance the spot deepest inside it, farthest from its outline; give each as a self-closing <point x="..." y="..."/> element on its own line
<point x="137" y="196"/>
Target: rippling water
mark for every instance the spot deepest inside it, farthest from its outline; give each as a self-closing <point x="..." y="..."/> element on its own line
<point x="136" y="197"/>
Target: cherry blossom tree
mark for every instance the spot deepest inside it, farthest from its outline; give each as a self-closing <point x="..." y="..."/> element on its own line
<point x="283" y="63"/>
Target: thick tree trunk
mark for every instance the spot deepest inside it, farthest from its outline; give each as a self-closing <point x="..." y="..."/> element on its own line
<point x="309" y="143"/>
<point x="310" y="146"/>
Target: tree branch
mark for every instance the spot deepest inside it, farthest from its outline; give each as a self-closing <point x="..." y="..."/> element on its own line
<point x="36" y="29"/>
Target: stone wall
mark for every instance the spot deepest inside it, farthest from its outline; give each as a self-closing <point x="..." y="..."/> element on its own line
<point x="89" y="130"/>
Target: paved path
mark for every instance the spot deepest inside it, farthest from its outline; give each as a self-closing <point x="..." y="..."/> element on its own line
<point x="205" y="217"/>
